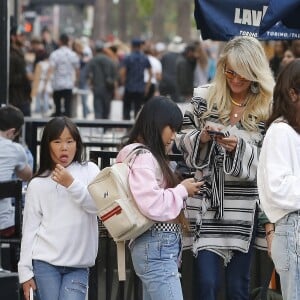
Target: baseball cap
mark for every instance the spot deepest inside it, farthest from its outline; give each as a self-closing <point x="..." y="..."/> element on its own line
<point x="136" y="42"/>
<point x="99" y="45"/>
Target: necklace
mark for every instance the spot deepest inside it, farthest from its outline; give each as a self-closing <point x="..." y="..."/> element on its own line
<point x="238" y="111"/>
<point x="238" y="104"/>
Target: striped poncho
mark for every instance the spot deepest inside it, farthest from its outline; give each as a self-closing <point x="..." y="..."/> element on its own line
<point x="222" y="217"/>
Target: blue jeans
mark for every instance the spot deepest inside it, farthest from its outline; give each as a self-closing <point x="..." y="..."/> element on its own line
<point x="237" y="275"/>
<point x="84" y="103"/>
<point x="285" y="252"/>
<point x="155" y="256"/>
<point x="42" y="103"/>
<point x="60" y="283"/>
<point x="102" y="104"/>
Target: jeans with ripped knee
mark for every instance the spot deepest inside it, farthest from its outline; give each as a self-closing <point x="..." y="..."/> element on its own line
<point x="60" y="283"/>
<point x="155" y="256"/>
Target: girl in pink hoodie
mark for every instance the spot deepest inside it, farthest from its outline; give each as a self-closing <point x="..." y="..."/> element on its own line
<point x="160" y="196"/>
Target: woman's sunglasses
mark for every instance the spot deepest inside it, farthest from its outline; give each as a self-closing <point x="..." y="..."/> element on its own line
<point x="297" y="90"/>
<point x="230" y="74"/>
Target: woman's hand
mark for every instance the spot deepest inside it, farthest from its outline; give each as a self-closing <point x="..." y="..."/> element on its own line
<point x="206" y="136"/>
<point x="192" y="186"/>
<point x="270" y="229"/>
<point x="26" y="287"/>
<point x="269" y="239"/>
<point x="228" y="143"/>
<point x="62" y="176"/>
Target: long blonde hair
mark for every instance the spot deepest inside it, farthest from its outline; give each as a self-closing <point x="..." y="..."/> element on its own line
<point x="245" y="55"/>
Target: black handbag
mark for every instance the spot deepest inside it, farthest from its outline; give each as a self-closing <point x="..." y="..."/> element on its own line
<point x="264" y="292"/>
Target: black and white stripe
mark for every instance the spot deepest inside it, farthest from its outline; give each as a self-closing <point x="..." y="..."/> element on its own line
<point x="222" y="218"/>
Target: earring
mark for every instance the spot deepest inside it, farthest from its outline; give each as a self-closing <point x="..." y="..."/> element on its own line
<point x="293" y="95"/>
<point x="254" y="87"/>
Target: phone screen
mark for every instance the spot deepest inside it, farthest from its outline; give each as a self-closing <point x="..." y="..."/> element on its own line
<point x="204" y="178"/>
<point x="215" y="132"/>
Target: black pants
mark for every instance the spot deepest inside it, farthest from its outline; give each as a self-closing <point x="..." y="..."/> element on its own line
<point x="136" y="98"/>
<point x="151" y="92"/>
<point x="58" y="96"/>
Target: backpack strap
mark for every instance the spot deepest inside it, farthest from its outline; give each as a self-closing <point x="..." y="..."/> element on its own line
<point x="121" y="260"/>
<point x="135" y="151"/>
<point x="121" y="244"/>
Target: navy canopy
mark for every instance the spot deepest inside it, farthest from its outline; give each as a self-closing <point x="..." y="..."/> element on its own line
<point x="264" y="19"/>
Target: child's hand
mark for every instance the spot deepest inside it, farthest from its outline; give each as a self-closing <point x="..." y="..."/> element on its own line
<point x="26" y="288"/>
<point x="192" y="186"/>
<point x="62" y="176"/>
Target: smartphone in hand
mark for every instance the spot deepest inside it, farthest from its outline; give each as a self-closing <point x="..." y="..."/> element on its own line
<point x="204" y="178"/>
<point x="215" y="133"/>
<point x="31" y="294"/>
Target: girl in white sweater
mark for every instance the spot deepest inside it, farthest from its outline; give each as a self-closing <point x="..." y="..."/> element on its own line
<point x="278" y="179"/>
<point x="60" y="232"/>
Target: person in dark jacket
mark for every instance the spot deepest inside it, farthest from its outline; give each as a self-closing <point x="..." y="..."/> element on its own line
<point x="102" y="73"/>
<point x="185" y="69"/>
<point x="132" y="76"/>
<point x="19" y="84"/>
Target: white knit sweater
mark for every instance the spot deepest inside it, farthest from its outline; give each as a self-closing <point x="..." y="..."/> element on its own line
<point x="60" y="224"/>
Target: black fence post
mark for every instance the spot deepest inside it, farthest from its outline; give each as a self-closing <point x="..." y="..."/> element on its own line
<point x="4" y="46"/>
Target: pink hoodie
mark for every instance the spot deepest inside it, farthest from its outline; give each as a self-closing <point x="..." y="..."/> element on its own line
<point x="148" y="187"/>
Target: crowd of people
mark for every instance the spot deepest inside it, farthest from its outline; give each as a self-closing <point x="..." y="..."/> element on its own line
<point x="238" y="135"/>
<point x="88" y="74"/>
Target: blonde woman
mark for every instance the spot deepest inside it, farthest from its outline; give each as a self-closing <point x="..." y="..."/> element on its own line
<point x="223" y="129"/>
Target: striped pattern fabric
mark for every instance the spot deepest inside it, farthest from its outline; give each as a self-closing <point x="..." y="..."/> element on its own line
<point x="222" y="217"/>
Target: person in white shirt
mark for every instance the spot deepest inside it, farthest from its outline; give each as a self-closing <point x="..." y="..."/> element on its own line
<point x="13" y="161"/>
<point x="64" y="68"/>
<point x="60" y="228"/>
<point x="156" y="72"/>
<point x="278" y="178"/>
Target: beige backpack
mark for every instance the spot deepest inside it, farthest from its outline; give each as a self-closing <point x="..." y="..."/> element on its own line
<point x="117" y="208"/>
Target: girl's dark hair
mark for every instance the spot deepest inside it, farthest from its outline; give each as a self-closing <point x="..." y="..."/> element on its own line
<point x="289" y="78"/>
<point x="52" y="131"/>
<point x="156" y="114"/>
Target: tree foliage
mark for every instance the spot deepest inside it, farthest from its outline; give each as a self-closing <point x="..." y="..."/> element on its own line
<point x="159" y="20"/>
<point x="145" y="7"/>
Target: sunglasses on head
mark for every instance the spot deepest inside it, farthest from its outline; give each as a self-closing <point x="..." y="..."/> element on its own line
<point x="230" y="74"/>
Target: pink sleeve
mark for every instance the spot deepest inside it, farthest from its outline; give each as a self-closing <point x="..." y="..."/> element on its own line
<point x="154" y="201"/>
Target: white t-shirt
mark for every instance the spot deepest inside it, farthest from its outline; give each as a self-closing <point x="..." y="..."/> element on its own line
<point x="12" y="158"/>
<point x="65" y="62"/>
<point x="278" y="173"/>
<point x="156" y="69"/>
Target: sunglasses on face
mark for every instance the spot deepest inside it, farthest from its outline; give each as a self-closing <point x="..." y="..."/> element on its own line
<point x="297" y="90"/>
<point x="230" y="74"/>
